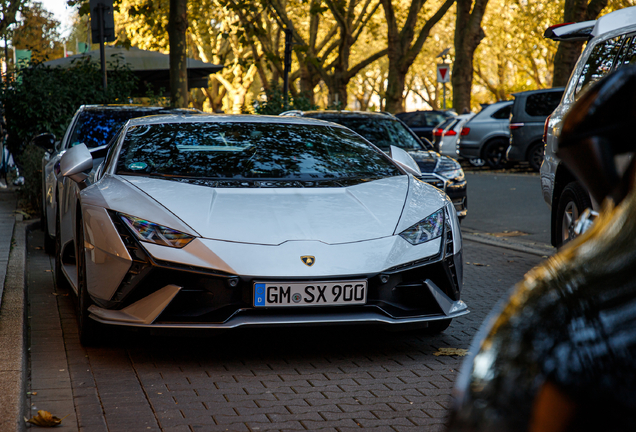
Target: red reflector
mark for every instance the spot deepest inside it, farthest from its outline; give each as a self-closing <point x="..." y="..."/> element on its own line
<point x="465" y="131"/>
<point x="560" y="25"/>
<point x="438" y="132"/>
<point x="450" y="133"/>
<point x="516" y="125"/>
<point x="545" y="129"/>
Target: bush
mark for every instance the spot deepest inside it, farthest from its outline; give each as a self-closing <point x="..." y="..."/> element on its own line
<point x="274" y="103"/>
<point x="44" y="99"/>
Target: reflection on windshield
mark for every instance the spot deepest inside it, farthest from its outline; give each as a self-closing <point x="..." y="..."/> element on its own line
<point x="250" y="151"/>
<point x="96" y="128"/>
<point x="382" y="132"/>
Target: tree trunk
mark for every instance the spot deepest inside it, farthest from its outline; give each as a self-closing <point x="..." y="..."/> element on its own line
<point x="404" y="46"/>
<point x="468" y="35"/>
<point x="177" y="26"/>
<point x="568" y="52"/>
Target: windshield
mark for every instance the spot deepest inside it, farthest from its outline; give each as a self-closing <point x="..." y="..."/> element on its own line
<point x="265" y="151"/>
<point x="97" y="128"/>
<point x="383" y="132"/>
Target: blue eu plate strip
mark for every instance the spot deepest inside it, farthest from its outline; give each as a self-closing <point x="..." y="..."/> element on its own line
<point x="259" y="294"/>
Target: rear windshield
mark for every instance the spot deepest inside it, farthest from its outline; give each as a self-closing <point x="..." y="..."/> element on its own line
<point x="382" y="132"/>
<point x="235" y="151"/>
<point x="542" y="104"/>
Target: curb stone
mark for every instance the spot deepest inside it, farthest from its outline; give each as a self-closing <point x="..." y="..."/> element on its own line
<point x="13" y="357"/>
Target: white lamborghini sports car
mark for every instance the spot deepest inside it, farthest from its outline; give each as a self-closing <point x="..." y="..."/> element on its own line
<point x="227" y="221"/>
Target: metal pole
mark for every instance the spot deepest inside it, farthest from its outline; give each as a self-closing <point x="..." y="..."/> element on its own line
<point x="102" y="50"/>
<point x="444" y="87"/>
<point x="288" y="46"/>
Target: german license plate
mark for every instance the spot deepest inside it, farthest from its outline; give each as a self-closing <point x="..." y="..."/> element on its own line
<point x="276" y="294"/>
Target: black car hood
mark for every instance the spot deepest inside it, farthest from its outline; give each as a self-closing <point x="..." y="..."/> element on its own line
<point x="426" y="160"/>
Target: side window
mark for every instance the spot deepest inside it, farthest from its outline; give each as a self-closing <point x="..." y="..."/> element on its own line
<point x="502" y="113"/>
<point x="628" y="53"/>
<point x="542" y="104"/>
<point x="599" y="63"/>
<point x="113" y="150"/>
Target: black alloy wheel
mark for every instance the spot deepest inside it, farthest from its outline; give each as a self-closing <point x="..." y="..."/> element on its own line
<point x="495" y="153"/>
<point x="535" y="155"/>
<point x="88" y="329"/>
<point x="49" y="242"/>
<point x="573" y="200"/>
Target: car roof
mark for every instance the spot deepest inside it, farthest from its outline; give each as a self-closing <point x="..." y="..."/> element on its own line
<point x="529" y="92"/>
<point x="615" y="20"/>
<point x="339" y="113"/>
<point x="227" y="118"/>
<point x="136" y="108"/>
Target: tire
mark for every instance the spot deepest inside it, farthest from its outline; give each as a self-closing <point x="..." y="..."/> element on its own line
<point x="535" y="156"/>
<point x="88" y="329"/>
<point x="61" y="282"/>
<point x="435" y="327"/>
<point x="573" y="200"/>
<point x="494" y="153"/>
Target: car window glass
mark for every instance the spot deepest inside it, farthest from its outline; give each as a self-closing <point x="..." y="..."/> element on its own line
<point x="433" y="119"/>
<point x="449" y="124"/>
<point x="502" y="113"/>
<point x="599" y="62"/>
<point x="244" y="151"/>
<point x="628" y="54"/>
<point x="382" y="132"/>
<point x="542" y="104"/>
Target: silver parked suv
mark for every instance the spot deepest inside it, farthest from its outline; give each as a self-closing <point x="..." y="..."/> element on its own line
<point x="612" y="45"/>
<point x="486" y="135"/>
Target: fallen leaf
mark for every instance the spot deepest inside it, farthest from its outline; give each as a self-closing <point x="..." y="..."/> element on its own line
<point x="39" y="248"/>
<point x="451" y="352"/>
<point x="45" y="419"/>
<point x="480" y="265"/>
<point x="48" y="271"/>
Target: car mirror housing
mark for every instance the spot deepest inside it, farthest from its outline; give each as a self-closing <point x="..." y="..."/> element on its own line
<point x="75" y="161"/>
<point x="405" y="160"/>
<point x="45" y="141"/>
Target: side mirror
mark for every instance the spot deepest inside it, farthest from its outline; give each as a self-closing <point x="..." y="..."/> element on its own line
<point x="45" y="141"/>
<point x="405" y="160"/>
<point x="75" y="161"/>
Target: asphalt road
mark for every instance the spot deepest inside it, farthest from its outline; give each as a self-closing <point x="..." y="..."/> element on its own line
<point x="501" y="202"/>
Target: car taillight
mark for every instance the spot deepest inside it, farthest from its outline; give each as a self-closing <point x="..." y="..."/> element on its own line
<point x="545" y="129"/>
<point x="438" y="132"/>
<point x="465" y="131"/>
<point x="450" y="133"/>
<point x="516" y="125"/>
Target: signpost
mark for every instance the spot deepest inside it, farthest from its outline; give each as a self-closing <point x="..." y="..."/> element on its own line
<point x="443" y="76"/>
<point x="102" y="28"/>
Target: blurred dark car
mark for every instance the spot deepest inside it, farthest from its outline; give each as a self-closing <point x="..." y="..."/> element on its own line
<point x="423" y="122"/>
<point x="384" y="130"/>
<point x="529" y="112"/>
<point x="558" y="355"/>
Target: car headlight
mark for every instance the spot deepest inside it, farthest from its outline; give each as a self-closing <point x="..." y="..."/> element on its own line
<point x="153" y="233"/>
<point x="449" y="169"/>
<point x="425" y="230"/>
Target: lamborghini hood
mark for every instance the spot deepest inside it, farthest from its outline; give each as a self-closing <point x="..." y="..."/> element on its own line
<point x="271" y="216"/>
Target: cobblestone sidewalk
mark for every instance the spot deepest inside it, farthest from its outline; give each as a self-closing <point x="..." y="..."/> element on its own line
<point x="327" y="379"/>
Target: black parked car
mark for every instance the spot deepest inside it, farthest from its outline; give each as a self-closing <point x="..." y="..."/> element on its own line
<point x="384" y="130"/>
<point x="559" y="354"/>
<point x="423" y="122"/>
<point x="529" y="112"/>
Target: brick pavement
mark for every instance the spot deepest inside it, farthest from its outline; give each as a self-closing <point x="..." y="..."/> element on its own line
<point x="327" y="379"/>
